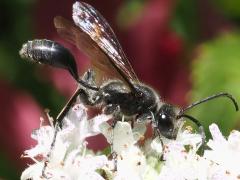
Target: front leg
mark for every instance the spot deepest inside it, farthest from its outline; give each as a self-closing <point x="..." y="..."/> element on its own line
<point x="143" y="117"/>
<point x="115" y="111"/>
<point x="156" y="132"/>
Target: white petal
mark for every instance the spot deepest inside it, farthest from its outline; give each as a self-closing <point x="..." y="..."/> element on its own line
<point x="94" y="124"/>
<point x="33" y="172"/>
<point x="44" y="136"/>
<point x="76" y="126"/>
<point x="107" y="131"/>
<point x="131" y="164"/>
<point x="234" y="140"/>
<point x="84" y="167"/>
<point x="90" y="176"/>
<point x="78" y="111"/>
<point x="188" y="138"/>
<point x="224" y="153"/>
<point x="139" y="130"/>
<point x="216" y="133"/>
<point x="91" y="163"/>
<point x="156" y="145"/>
<point x="122" y="137"/>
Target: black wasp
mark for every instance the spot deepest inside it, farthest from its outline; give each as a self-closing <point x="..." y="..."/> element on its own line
<point x="122" y="95"/>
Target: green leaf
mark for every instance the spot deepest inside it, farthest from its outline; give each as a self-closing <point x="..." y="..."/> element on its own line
<point x="230" y="8"/>
<point x="217" y="69"/>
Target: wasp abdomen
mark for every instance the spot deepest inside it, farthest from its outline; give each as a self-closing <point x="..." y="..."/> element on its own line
<point x="51" y="53"/>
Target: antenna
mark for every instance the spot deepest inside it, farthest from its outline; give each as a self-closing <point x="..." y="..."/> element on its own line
<point x="208" y="99"/>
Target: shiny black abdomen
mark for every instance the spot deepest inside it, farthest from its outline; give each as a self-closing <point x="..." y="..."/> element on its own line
<point x="51" y="53"/>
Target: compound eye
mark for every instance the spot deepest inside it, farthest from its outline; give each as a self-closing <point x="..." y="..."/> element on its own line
<point x="163" y="116"/>
<point x="164" y="121"/>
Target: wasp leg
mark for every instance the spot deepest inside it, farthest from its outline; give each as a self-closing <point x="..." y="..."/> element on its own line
<point x="89" y="99"/>
<point x="111" y="109"/>
<point x="115" y="111"/>
<point x="58" y="126"/>
<point x="89" y="77"/>
<point x="83" y="94"/>
<point x="157" y="133"/>
<point x="113" y="156"/>
<point x="89" y="96"/>
<point x="141" y="118"/>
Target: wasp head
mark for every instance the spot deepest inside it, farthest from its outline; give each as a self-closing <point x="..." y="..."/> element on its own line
<point x="166" y="121"/>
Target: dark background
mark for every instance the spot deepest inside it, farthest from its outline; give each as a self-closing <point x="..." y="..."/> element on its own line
<point x="186" y="50"/>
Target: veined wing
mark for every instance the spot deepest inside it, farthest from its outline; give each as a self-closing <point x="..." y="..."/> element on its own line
<point x="93" y="35"/>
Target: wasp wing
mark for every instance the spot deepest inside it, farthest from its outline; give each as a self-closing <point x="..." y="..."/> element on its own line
<point x="92" y="34"/>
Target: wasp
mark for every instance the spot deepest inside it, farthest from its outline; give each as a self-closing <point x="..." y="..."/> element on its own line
<point x="122" y="94"/>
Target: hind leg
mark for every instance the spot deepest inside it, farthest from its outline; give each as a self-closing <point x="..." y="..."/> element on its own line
<point x="88" y="96"/>
<point x="89" y="77"/>
<point x="87" y="99"/>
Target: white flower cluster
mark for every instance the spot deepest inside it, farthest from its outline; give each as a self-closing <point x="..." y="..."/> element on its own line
<point x="70" y="159"/>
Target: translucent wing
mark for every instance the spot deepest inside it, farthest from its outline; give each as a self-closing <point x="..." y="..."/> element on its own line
<point x="92" y="34"/>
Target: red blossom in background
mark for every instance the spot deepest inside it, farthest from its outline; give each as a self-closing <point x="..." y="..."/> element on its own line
<point x="19" y="117"/>
<point x="157" y="52"/>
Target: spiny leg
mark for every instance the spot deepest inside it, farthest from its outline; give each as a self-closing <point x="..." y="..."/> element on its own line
<point x="89" y="78"/>
<point x="156" y="131"/>
<point x="89" y="99"/>
<point x="88" y="96"/>
<point x="144" y="117"/>
<point x="58" y="125"/>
